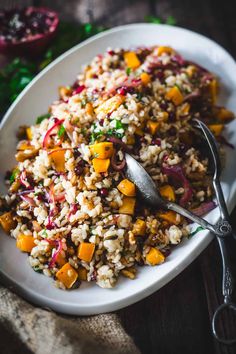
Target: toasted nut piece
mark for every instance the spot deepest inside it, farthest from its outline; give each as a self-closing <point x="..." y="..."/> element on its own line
<point x="128" y="273"/>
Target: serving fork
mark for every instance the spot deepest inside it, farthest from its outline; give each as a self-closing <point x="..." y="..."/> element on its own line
<point x="222" y="230"/>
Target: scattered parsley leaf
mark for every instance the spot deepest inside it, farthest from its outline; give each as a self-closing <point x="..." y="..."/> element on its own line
<point x="61" y="131"/>
<point x="128" y="71"/>
<point x="198" y="229"/>
<point x="14" y="174"/>
<point x="42" y="117"/>
<point x="139" y="96"/>
<point x="44" y="233"/>
<point x="37" y="269"/>
<point x="95" y="136"/>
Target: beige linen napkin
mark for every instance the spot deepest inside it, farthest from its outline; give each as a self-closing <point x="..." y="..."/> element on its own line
<point x="25" y="328"/>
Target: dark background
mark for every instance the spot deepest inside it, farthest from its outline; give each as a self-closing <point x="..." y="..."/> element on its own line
<point x="176" y="319"/>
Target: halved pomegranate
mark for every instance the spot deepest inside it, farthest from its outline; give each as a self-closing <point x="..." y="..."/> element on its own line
<point x="27" y="31"/>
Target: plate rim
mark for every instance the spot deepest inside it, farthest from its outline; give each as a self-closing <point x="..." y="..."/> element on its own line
<point x="73" y="309"/>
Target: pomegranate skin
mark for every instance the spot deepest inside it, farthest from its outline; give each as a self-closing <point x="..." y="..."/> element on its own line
<point x="33" y="45"/>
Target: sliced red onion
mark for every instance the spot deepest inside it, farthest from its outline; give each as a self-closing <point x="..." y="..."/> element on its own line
<point x="48" y="133"/>
<point x="55" y="254"/>
<point x="119" y="142"/>
<point x="23" y="179"/>
<point x="178" y="59"/>
<point x="27" y="191"/>
<point x="28" y="200"/>
<point x="60" y="197"/>
<point x="73" y="210"/>
<point x="117" y="166"/>
<point x="176" y="172"/>
<point x="193" y="95"/>
<point x="204" y="208"/>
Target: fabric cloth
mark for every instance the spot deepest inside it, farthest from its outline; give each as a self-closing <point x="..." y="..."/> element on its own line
<point x="25" y="328"/>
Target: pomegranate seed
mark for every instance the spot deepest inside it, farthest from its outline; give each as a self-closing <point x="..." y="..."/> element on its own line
<point x="79" y="89"/>
<point x="156" y="141"/>
<point x="104" y="192"/>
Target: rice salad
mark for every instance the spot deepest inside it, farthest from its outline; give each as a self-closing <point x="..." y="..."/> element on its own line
<point x="70" y="206"/>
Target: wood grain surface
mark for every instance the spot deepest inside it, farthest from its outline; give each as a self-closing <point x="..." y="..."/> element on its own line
<point x="176" y="319"/>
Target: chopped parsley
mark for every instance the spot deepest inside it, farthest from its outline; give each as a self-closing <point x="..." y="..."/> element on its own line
<point x="139" y="96"/>
<point x="83" y="102"/>
<point x="37" y="269"/>
<point x="95" y="136"/>
<point x="61" y="131"/>
<point x="14" y="174"/>
<point x="198" y="229"/>
<point x="44" y="233"/>
<point x="128" y="71"/>
<point x="42" y="117"/>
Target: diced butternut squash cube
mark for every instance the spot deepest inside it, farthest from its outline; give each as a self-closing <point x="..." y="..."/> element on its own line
<point x="153" y="126"/>
<point x="131" y="60"/>
<point x="164" y="116"/>
<point x="25" y="243"/>
<point x="216" y="128"/>
<point x="167" y="192"/>
<point x="163" y="49"/>
<point x="101" y="165"/>
<point x="169" y="216"/>
<point x="7" y="222"/>
<point x="102" y="150"/>
<point x="145" y="78"/>
<point x="60" y="260"/>
<point x="67" y="275"/>
<point x="184" y="109"/>
<point x="82" y="273"/>
<point x="86" y="251"/>
<point x="175" y="95"/>
<point x="29" y="133"/>
<point x="65" y="91"/>
<point x="130" y="140"/>
<point x="139" y="131"/>
<point x="224" y="114"/>
<point x="127" y="188"/>
<point x="213" y="87"/>
<point x="139" y="228"/>
<point x="89" y="109"/>
<point x="127" y="206"/>
<point x="110" y="105"/>
<point x="154" y="257"/>
<point x="58" y="157"/>
<point x="24" y="145"/>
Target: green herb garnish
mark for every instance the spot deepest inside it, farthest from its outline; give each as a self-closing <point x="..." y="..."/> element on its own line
<point x="61" y="131"/>
<point x="198" y="229"/>
<point x="44" y="233"/>
<point x="42" y="117"/>
<point x="139" y="96"/>
<point x="37" y="269"/>
<point x="14" y="174"/>
<point x="83" y="102"/>
<point x="128" y="71"/>
<point x="95" y="136"/>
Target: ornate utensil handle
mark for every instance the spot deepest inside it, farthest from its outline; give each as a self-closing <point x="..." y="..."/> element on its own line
<point x="227" y="290"/>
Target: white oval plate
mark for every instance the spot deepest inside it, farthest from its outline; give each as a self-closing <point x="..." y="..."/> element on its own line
<point x="35" y="99"/>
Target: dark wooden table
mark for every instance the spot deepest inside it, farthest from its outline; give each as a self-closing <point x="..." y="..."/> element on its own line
<point x="176" y="319"/>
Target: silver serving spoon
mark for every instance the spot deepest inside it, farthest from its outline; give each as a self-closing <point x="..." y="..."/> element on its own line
<point x="149" y="192"/>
